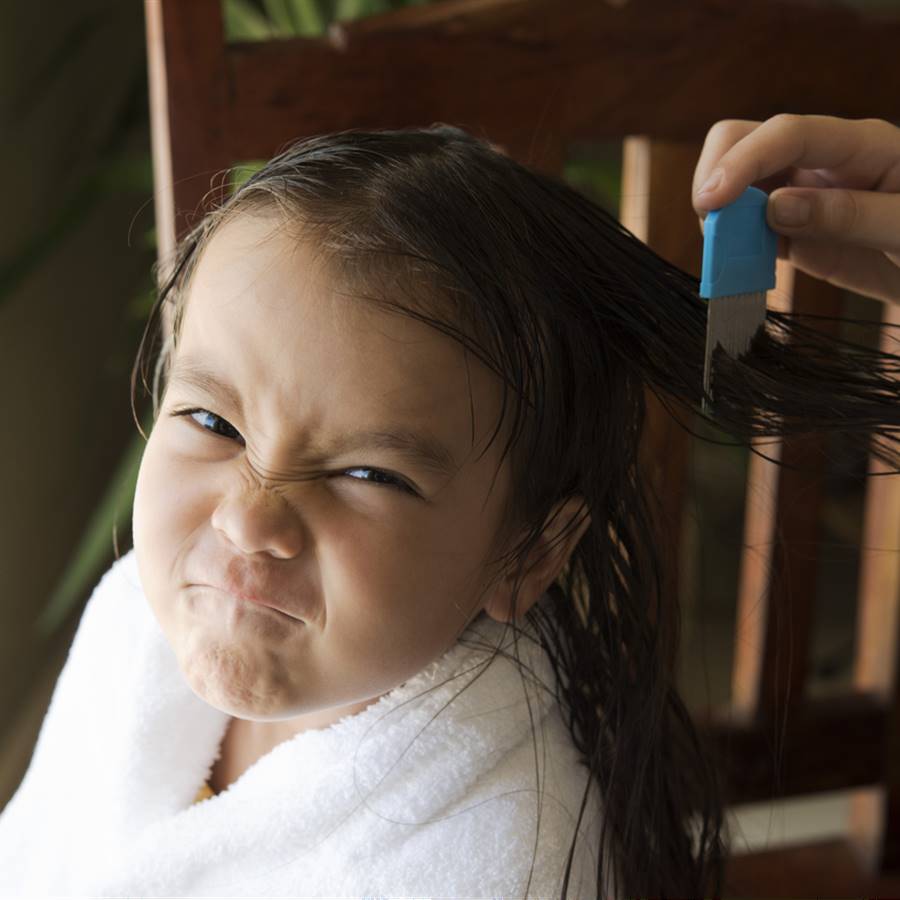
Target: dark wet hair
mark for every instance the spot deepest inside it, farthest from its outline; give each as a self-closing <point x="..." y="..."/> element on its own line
<point x="577" y="317"/>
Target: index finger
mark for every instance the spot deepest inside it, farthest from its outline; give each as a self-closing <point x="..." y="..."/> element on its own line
<point x="719" y="140"/>
<point x="756" y="151"/>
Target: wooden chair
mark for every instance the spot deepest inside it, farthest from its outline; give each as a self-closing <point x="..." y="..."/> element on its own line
<point x="536" y="76"/>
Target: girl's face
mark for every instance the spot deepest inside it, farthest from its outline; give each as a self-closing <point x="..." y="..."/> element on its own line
<point x="284" y="485"/>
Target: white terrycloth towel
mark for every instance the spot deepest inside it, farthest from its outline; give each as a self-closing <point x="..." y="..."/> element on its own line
<point x="402" y="799"/>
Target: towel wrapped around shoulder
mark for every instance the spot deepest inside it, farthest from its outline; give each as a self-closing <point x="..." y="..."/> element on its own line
<point x="461" y="782"/>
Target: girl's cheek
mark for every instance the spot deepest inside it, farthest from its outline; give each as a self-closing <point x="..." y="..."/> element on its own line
<point x="170" y="485"/>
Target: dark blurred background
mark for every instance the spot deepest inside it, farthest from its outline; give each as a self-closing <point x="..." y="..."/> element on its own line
<point x="75" y="255"/>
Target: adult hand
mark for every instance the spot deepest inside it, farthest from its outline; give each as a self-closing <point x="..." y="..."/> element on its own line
<point x="834" y="192"/>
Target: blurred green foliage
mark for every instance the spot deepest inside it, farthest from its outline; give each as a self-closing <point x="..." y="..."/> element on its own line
<point x="262" y="20"/>
<point x="598" y="175"/>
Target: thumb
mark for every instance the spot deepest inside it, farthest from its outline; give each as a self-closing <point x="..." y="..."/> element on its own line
<point x="863" y="218"/>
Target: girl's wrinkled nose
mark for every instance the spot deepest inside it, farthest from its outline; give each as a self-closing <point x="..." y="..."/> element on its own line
<point x="257" y="521"/>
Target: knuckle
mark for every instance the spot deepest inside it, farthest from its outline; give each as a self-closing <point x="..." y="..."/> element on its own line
<point x="783" y="120"/>
<point x="881" y="130"/>
<point x="724" y="128"/>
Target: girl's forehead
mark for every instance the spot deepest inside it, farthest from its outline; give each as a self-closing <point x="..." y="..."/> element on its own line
<point x="259" y="288"/>
<point x="255" y="253"/>
<point x="278" y="306"/>
<point x="265" y="324"/>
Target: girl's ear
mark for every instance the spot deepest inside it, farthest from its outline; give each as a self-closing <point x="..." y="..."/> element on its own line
<point x="547" y="562"/>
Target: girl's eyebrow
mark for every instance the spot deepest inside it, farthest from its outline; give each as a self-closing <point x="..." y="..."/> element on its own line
<point x="189" y="371"/>
<point x="417" y="447"/>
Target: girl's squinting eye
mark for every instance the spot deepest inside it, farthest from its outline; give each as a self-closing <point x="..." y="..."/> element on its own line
<point x="391" y="480"/>
<point x="214" y="430"/>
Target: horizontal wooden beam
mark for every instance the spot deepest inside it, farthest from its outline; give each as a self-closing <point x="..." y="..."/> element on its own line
<point x="525" y="71"/>
<point x="822" y="869"/>
<point x="828" y="744"/>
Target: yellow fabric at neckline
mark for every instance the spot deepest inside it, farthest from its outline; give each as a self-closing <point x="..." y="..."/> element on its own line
<point x="204" y="793"/>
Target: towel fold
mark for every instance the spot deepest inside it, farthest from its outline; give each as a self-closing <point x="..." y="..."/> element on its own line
<point x="409" y="797"/>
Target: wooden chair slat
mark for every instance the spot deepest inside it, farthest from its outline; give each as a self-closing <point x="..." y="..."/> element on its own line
<point x="760" y="518"/>
<point x="657" y="208"/>
<point x="780" y="565"/>
<point x="874" y="820"/>
<point x="186" y="61"/>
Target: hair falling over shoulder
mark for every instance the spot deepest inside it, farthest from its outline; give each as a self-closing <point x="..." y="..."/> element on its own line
<point x="577" y="317"/>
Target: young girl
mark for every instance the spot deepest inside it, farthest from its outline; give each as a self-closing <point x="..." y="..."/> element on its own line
<point x="392" y="622"/>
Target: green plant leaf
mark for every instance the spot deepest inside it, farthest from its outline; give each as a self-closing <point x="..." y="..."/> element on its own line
<point x="312" y="16"/>
<point x="93" y="552"/>
<point x="280" y="13"/>
<point x="240" y="172"/>
<point x="244" y="22"/>
<point x="600" y="178"/>
<point x="358" y="9"/>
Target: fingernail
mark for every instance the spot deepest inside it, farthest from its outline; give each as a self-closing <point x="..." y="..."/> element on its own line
<point x="712" y="182"/>
<point x="791" y="210"/>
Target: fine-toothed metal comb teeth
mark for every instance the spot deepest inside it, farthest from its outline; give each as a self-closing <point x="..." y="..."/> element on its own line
<point x="739" y="253"/>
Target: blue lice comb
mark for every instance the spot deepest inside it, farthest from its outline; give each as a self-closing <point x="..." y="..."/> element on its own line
<point x="739" y="251"/>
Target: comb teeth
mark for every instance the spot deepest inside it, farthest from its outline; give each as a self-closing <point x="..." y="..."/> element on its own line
<point x="733" y="321"/>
